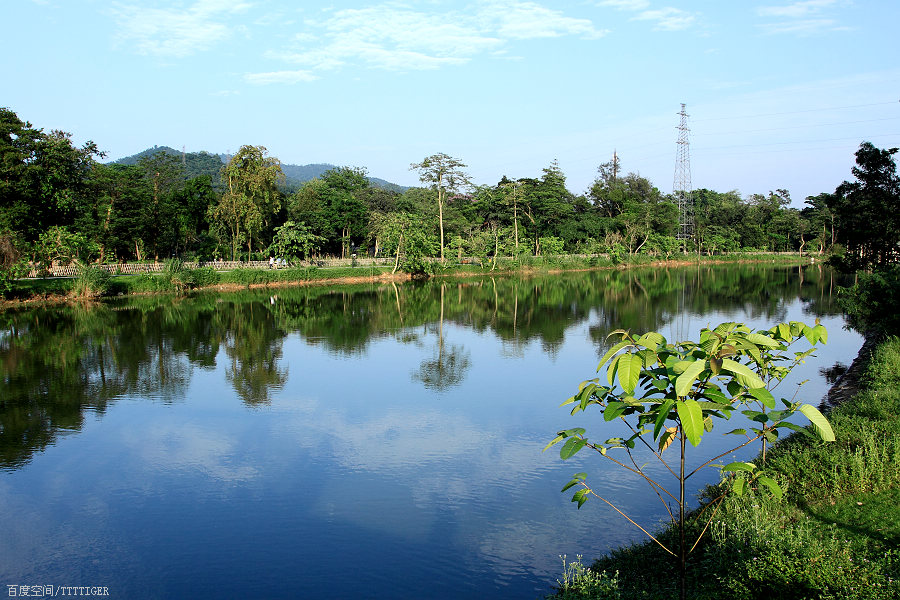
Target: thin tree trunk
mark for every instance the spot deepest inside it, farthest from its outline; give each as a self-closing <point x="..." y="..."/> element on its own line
<point x="397" y="257"/>
<point x="441" y="222"/>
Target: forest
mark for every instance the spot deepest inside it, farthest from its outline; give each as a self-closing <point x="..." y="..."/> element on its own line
<point x="60" y="203"/>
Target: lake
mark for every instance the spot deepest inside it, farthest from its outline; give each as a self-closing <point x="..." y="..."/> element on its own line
<point x="375" y="441"/>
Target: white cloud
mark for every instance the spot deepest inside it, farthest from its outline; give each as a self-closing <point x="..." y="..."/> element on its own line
<point x="279" y="77"/>
<point x="396" y="37"/>
<point x="667" y="19"/>
<point x="388" y="38"/>
<point x="626" y="4"/>
<point x="795" y="10"/>
<point x="175" y="32"/>
<point x="800" y="18"/>
<point x="803" y="26"/>
<point x="528" y="20"/>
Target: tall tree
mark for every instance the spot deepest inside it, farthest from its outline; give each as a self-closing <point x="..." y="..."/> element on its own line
<point x="549" y="203"/>
<point x="164" y="174"/>
<point x="251" y="196"/>
<point x="445" y="175"/>
<point x="342" y="194"/>
<point x="42" y="176"/>
<point x="868" y="209"/>
<point x="644" y="212"/>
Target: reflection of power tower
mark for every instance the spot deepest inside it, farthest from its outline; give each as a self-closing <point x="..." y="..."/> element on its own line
<point x="682" y="186"/>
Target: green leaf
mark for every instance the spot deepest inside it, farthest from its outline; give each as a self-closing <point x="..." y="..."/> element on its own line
<point x="662" y="416"/>
<point x="819" y="423"/>
<point x="612" y="351"/>
<point x="739" y="466"/>
<point x="811" y="335"/>
<point x="629" y="371"/>
<point x="737" y="432"/>
<point x="774" y="488"/>
<point x="764" y="396"/>
<point x="651" y="340"/>
<point x="756" y="415"/>
<point x="688" y="377"/>
<point x="743" y="373"/>
<point x="576" y="479"/>
<point x="823" y="333"/>
<point x="762" y="340"/>
<point x="739" y="486"/>
<point x="580" y="497"/>
<point x="691" y="417"/>
<point x="611" y="371"/>
<point x="797" y="428"/>
<point x="784" y="331"/>
<point x="553" y="442"/>
<point x="648" y="357"/>
<point x="614" y="410"/>
<point x="571" y="447"/>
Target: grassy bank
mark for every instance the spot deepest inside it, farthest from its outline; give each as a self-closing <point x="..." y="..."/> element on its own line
<point x="834" y="535"/>
<point x="176" y="278"/>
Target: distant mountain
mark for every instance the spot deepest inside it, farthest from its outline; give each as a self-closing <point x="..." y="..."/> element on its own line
<point x="195" y="163"/>
<point x="205" y="163"/>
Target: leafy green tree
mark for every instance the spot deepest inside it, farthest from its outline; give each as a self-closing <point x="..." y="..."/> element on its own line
<point x="59" y="245"/>
<point x="42" y="176"/>
<point x="251" y="196"/>
<point x="406" y="236"/>
<point x="670" y="394"/>
<point x="192" y="205"/>
<point x="295" y="240"/>
<point x="644" y="212"/>
<point x="868" y="209"/>
<point x="164" y="176"/>
<point x="821" y="219"/>
<point x="548" y="203"/>
<point x="342" y="192"/>
<point x="112" y="214"/>
<point x="721" y="215"/>
<point x="607" y="192"/>
<point x="512" y="196"/>
<point x="667" y="245"/>
<point x="445" y="175"/>
<point x="306" y="205"/>
<point x="552" y="245"/>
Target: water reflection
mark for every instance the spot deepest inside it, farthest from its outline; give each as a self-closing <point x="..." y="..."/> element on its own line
<point x="59" y="362"/>
<point x="398" y="427"/>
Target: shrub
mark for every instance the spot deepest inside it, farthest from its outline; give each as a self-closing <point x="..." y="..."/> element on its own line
<point x="90" y="281"/>
<point x="871" y="303"/>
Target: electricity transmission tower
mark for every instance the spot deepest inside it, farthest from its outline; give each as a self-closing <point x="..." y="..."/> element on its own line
<point x="682" y="185"/>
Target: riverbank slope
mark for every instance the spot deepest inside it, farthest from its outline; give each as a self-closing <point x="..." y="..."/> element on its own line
<point x="835" y="534"/>
<point x="93" y="284"/>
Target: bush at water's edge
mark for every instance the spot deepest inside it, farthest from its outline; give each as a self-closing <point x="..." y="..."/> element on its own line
<point x="836" y="534"/>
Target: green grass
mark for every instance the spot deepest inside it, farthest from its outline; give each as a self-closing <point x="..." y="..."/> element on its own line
<point x="835" y="534"/>
<point x="176" y="278"/>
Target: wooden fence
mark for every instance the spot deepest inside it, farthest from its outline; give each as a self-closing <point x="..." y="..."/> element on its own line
<point x="219" y="265"/>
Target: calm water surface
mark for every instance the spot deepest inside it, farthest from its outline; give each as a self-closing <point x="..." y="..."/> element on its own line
<point x="368" y="442"/>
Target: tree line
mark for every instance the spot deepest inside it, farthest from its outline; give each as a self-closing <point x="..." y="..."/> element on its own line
<point x="59" y="203"/>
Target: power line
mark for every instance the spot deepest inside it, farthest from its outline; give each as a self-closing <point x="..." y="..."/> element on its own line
<point x="796" y="127"/>
<point x="795" y="112"/>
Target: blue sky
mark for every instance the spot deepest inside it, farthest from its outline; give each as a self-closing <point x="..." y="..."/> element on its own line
<point x="779" y="93"/>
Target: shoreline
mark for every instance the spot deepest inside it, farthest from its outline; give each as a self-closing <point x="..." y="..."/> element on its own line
<point x="54" y="299"/>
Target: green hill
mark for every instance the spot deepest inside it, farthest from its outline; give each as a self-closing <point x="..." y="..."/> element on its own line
<point x="205" y="163"/>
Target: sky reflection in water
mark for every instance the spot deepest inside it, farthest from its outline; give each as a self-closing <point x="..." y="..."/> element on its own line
<point x="368" y="442"/>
